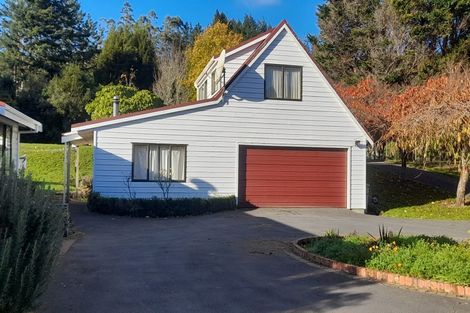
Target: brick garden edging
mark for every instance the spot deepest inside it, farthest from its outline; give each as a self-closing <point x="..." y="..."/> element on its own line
<point x="385" y="277"/>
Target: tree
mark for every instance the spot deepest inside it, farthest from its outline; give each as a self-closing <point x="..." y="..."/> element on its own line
<point x="130" y="100"/>
<point x="45" y="35"/>
<point x="368" y="99"/>
<point x="210" y="43"/>
<point x="346" y="31"/>
<point x="438" y="119"/>
<point x="442" y="25"/>
<point x="171" y="73"/>
<point x="70" y="91"/>
<point x="176" y="35"/>
<point x="128" y="54"/>
<point x="248" y="28"/>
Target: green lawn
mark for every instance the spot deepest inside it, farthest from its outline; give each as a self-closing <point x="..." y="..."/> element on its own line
<point x="411" y="199"/>
<point x="434" y="167"/>
<point x="46" y="163"/>
<point x="437" y="258"/>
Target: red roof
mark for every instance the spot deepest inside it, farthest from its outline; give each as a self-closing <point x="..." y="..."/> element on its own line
<point x="2" y="104"/>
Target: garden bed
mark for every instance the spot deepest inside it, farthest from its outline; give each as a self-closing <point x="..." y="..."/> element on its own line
<point x="437" y="264"/>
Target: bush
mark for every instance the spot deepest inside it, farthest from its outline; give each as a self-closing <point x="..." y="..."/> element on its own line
<point x="438" y="258"/>
<point x="159" y="207"/>
<point x="31" y="226"/>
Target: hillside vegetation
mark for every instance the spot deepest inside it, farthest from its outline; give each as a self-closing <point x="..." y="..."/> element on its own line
<point x="45" y="163"/>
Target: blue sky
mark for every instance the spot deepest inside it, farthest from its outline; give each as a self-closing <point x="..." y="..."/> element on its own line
<point x="299" y="13"/>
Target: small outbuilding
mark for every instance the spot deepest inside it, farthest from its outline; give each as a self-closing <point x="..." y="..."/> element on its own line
<point x="267" y="127"/>
<point x="13" y="123"/>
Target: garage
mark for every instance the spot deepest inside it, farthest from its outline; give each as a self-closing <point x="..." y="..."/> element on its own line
<point x="292" y="177"/>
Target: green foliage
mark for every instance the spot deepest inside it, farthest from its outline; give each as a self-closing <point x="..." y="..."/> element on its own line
<point x="398" y="41"/>
<point x="70" y="91"/>
<point x="30" y="100"/>
<point x="248" y="28"/>
<point x="343" y="46"/>
<point x="352" y="249"/>
<point x="130" y="100"/>
<point x="31" y="227"/>
<point x="426" y="259"/>
<point x="46" y="163"/>
<point x="437" y="258"/>
<point x="45" y="34"/>
<point x="128" y="56"/>
<point x="442" y="25"/>
<point x="159" y="207"/>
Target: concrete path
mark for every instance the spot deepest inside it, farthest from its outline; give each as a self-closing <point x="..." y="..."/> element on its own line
<point x="441" y="181"/>
<point x="226" y="262"/>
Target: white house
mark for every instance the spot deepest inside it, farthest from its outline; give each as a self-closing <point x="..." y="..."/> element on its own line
<point x="13" y="123"/>
<point x="268" y="127"/>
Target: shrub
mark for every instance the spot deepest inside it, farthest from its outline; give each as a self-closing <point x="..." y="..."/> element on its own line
<point x="31" y="227"/>
<point x="159" y="207"/>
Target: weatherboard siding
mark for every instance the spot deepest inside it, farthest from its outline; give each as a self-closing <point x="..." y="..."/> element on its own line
<point x="213" y="134"/>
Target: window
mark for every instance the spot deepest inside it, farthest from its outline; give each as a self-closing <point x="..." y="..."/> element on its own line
<point x="213" y="83"/>
<point x="203" y="91"/>
<point x="5" y="146"/>
<point x="283" y="82"/>
<point x="158" y="162"/>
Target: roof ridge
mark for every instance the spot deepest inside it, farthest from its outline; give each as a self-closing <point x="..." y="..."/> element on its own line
<point x="162" y="108"/>
<point x="245" y="42"/>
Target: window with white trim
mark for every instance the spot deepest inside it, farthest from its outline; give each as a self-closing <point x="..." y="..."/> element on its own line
<point x="283" y="82"/>
<point x="158" y="162"/>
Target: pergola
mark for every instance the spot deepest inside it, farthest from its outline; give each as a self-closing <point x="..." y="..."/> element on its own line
<point x="73" y="140"/>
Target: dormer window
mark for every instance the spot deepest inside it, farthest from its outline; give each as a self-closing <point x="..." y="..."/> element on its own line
<point x="213" y="83"/>
<point x="202" y="92"/>
<point x="283" y="82"/>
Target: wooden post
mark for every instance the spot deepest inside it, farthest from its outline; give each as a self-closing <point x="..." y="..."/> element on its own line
<point x="66" y="194"/>
<point x="77" y="170"/>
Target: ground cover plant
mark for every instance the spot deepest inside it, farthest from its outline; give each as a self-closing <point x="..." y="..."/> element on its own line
<point x="437" y="258"/>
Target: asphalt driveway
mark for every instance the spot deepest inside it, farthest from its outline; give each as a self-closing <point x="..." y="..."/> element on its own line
<point x="226" y="262"/>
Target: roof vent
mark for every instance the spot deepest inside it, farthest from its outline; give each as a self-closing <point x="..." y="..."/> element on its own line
<point x="115" y="106"/>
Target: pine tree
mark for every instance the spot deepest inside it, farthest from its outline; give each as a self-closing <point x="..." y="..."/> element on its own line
<point x="45" y="35"/>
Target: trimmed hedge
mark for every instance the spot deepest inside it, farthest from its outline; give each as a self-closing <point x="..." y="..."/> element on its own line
<point x="158" y="207"/>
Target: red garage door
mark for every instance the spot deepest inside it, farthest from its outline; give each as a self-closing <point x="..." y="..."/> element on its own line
<point x="292" y="177"/>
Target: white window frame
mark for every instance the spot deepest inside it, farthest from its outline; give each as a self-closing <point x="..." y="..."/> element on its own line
<point x="283" y="81"/>
<point x="158" y="146"/>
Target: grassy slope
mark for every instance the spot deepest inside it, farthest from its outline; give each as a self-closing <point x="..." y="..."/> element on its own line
<point x="46" y="163"/>
<point x="410" y="199"/>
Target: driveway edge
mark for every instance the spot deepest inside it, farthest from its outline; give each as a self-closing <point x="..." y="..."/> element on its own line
<point x="379" y="276"/>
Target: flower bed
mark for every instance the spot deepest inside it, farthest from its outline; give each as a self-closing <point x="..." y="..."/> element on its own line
<point x="434" y="258"/>
<point x="437" y="264"/>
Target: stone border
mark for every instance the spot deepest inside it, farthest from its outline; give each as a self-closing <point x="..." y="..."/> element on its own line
<point x="385" y="277"/>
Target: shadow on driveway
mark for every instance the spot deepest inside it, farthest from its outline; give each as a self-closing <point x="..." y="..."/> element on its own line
<point x="227" y="262"/>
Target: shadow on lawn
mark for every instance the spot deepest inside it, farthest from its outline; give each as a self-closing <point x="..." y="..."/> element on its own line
<point x="388" y="192"/>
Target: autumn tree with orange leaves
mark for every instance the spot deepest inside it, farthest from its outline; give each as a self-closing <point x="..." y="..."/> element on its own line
<point x="436" y="116"/>
<point x="369" y="101"/>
